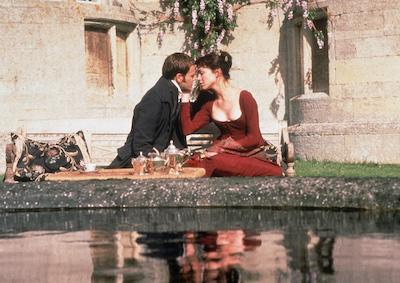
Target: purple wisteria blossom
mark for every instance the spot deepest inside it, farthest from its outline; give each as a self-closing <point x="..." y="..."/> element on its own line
<point x="212" y="20"/>
<point x="320" y="43"/>
<point x="229" y="10"/>
<point x="207" y="26"/>
<point x="221" y="7"/>
<point x="304" y="5"/>
<point x="220" y="38"/>
<point x="202" y="6"/>
<point x="309" y="24"/>
<point x="176" y="8"/>
<point x="287" y="5"/>
<point x="194" y="18"/>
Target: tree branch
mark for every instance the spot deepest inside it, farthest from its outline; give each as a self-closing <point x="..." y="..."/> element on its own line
<point x="250" y="2"/>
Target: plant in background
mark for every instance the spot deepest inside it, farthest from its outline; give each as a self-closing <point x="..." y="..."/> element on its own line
<point x="209" y="23"/>
<point x="301" y="8"/>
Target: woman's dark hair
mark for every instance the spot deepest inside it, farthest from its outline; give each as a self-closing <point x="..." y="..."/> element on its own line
<point x="176" y="63"/>
<point x="221" y="60"/>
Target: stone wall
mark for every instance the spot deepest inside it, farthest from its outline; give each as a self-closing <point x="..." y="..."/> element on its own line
<point x="43" y="71"/>
<point x="358" y="120"/>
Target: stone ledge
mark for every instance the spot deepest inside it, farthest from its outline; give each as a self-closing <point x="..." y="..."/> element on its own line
<point x="320" y="108"/>
<point x="349" y="223"/>
<point x="70" y="125"/>
<point x="272" y="192"/>
<point x="349" y="128"/>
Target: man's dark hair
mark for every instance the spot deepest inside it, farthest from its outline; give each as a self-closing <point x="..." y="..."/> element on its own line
<point x="176" y="63"/>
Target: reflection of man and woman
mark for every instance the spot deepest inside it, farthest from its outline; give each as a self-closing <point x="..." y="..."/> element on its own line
<point x="202" y="256"/>
<point x="160" y="117"/>
<point x="213" y="256"/>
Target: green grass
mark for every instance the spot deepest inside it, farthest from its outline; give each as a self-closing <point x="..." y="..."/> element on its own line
<point x="333" y="169"/>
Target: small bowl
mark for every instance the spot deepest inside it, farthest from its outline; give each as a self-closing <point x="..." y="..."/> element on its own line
<point x="90" y="167"/>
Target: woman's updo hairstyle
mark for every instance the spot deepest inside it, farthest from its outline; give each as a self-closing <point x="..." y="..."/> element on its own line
<point x="221" y="60"/>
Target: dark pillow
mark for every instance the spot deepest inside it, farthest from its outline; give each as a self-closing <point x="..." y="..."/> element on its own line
<point x="34" y="159"/>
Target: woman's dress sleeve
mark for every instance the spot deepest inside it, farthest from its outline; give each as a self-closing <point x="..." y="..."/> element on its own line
<point x="253" y="137"/>
<point x="202" y="117"/>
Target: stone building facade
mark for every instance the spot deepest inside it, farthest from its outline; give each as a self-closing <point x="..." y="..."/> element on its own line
<point x="348" y="110"/>
<point x="80" y="64"/>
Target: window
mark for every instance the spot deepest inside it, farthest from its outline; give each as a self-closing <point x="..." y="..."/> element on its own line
<point x="122" y="73"/>
<point x="98" y="58"/>
<point x="107" y="57"/>
<point x="309" y="64"/>
<point x="320" y="60"/>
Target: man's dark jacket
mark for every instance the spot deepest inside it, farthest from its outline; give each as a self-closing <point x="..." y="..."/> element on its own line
<point x="155" y="122"/>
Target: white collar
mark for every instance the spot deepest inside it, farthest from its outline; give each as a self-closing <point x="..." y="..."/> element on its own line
<point x="179" y="90"/>
<point x="177" y="86"/>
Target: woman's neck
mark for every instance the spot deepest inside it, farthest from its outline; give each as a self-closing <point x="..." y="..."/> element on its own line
<point x="223" y="89"/>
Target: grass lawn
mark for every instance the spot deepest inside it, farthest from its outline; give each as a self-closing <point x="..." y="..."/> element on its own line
<point x="332" y="169"/>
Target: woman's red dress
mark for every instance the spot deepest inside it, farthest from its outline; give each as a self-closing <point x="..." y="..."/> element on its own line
<point x="244" y="130"/>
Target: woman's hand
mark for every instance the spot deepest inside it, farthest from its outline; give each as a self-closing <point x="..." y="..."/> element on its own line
<point x="185" y="97"/>
<point x="209" y="154"/>
<point x="216" y="147"/>
<point x="229" y="144"/>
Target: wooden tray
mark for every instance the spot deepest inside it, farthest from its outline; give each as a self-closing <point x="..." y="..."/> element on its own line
<point x="124" y="173"/>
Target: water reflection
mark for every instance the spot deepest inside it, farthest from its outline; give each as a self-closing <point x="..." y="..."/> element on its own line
<point x="202" y="256"/>
<point x="310" y="253"/>
<point x="191" y="245"/>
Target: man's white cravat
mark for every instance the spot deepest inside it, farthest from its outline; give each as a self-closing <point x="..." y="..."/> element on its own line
<point x="179" y="90"/>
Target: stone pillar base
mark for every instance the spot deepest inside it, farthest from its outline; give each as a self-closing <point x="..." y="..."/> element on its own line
<point x="347" y="142"/>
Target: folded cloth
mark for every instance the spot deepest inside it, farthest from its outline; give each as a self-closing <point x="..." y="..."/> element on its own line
<point x="265" y="152"/>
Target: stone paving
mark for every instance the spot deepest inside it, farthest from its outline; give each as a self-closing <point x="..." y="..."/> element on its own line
<point x="272" y="192"/>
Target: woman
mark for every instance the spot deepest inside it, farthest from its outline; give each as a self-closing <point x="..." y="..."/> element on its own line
<point x="235" y="113"/>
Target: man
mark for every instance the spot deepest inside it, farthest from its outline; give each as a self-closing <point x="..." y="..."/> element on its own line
<point x="156" y="117"/>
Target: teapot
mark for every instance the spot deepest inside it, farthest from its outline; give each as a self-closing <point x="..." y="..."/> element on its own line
<point x="171" y="154"/>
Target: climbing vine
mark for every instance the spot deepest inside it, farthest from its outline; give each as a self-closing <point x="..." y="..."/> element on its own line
<point x="209" y="23"/>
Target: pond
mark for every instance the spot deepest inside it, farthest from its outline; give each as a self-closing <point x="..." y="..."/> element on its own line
<point x="199" y="245"/>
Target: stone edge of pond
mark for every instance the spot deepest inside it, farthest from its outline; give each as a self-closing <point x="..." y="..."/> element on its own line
<point x="268" y="192"/>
